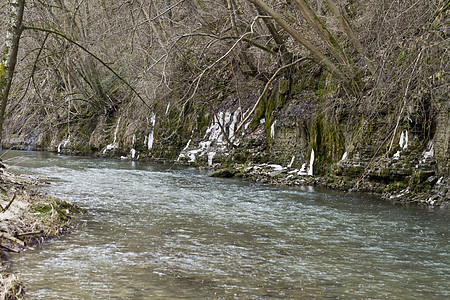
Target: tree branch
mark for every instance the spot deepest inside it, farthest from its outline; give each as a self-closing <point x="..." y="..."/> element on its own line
<point x="91" y="54"/>
<point x="315" y="51"/>
<point x="266" y="87"/>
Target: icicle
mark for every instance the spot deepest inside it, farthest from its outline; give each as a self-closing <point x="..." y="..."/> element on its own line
<point x="210" y="158"/>
<point x="236" y="115"/>
<point x="167" y="109"/>
<point x="311" y="163"/>
<point x="184" y="149"/>
<point x="406" y="140"/>
<point x="402" y="140"/>
<point x="187" y="145"/>
<point x="292" y="161"/>
<point x="117" y="130"/>
<point x="63" y="143"/>
<point x="133" y="153"/>
<point x="272" y="129"/>
<point x="153" y="119"/>
<point x="114" y="143"/>
<point x="151" y="134"/>
<point x="219" y="118"/>
<point x="150" y="140"/>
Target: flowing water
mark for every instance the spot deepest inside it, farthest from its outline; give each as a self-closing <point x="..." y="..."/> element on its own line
<point x="165" y="232"/>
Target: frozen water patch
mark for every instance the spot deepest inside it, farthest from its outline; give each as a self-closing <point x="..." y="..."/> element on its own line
<point x="114" y="144"/>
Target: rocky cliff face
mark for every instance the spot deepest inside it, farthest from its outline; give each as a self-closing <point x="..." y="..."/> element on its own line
<point x="281" y="144"/>
<point x="442" y="138"/>
<point x="386" y="131"/>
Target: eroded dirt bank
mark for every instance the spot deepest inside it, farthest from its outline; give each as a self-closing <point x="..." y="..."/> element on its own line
<point x="27" y="219"/>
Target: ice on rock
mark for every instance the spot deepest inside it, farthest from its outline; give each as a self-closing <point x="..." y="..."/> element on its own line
<point x="210" y="158"/>
<point x="151" y="134"/>
<point x="292" y="161"/>
<point x="114" y="143"/>
<point x="272" y="129"/>
<point x="311" y="163"/>
<point x="63" y="143"/>
<point x="403" y="143"/>
<point x="303" y="170"/>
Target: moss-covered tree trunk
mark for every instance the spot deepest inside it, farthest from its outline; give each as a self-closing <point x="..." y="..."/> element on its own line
<point x="9" y="55"/>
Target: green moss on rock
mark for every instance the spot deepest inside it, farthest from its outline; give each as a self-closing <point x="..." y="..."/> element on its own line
<point x="328" y="143"/>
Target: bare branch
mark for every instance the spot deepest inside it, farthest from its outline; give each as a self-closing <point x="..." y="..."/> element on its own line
<point x="266" y="87"/>
<point x="93" y="55"/>
<point x="289" y="29"/>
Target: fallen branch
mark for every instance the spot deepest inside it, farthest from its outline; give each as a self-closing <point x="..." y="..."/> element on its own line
<point x="13" y="239"/>
<point x="30" y="233"/>
<point x="9" y="204"/>
<point x="9" y="248"/>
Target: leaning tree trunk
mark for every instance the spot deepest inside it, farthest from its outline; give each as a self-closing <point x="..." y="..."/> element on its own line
<point x="9" y="55"/>
<point x="323" y="60"/>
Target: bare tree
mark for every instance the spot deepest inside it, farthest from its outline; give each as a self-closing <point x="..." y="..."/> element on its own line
<point x="9" y="56"/>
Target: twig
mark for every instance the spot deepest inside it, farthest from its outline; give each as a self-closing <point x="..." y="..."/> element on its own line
<point x="30" y="233"/>
<point x="404" y="100"/>
<point x="93" y="55"/>
<point x="224" y="132"/>
<point x="9" y="204"/>
<point x="199" y="77"/>
<point x="13" y="239"/>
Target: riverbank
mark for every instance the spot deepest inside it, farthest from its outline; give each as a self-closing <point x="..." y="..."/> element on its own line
<point x="27" y="219"/>
<point x="434" y="192"/>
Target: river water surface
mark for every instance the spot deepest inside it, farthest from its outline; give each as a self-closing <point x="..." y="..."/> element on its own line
<point x="165" y="232"/>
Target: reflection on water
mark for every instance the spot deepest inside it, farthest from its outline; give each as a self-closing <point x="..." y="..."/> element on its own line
<point x="160" y="231"/>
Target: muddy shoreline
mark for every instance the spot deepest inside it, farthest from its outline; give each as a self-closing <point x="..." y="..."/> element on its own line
<point x="27" y="219"/>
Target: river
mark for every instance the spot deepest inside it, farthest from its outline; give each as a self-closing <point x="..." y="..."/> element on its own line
<point x="161" y="231"/>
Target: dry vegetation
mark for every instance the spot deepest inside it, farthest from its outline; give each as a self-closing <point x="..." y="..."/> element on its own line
<point x="27" y="219"/>
<point x="375" y="66"/>
<point x="85" y="63"/>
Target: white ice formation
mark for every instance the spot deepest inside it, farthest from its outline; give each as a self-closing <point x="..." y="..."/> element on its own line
<point x="151" y="134"/>
<point x="63" y="144"/>
<point x="427" y="154"/>
<point x="292" y="161"/>
<point x="403" y="143"/>
<point x="214" y="140"/>
<point x="311" y="162"/>
<point x="272" y="129"/>
<point x="114" y="143"/>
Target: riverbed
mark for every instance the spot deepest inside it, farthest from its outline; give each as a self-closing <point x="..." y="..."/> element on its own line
<point x="162" y="231"/>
